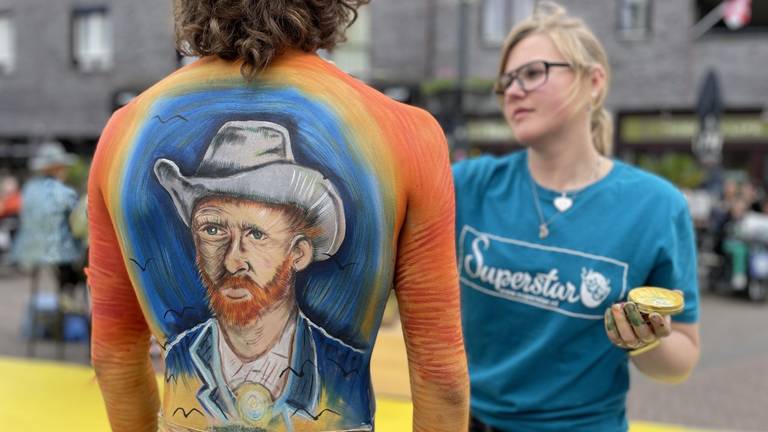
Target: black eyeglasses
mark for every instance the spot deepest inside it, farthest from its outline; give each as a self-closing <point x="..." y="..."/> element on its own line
<point x="529" y="76"/>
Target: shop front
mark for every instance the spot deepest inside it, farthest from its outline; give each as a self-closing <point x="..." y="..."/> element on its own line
<point x="649" y="135"/>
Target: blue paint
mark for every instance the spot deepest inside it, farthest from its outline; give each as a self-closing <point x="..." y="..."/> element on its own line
<point x="325" y="294"/>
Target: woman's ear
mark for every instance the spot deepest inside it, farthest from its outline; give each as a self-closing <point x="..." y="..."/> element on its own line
<point x="301" y="253"/>
<point x="596" y="81"/>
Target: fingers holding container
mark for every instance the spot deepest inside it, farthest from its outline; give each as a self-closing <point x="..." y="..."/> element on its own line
<point x="612" y="330"/>
<point x="626" y="328"/>
<point x="639" y="323"/>
<point x="641" y="328"/>
<point x="662" y="324"/>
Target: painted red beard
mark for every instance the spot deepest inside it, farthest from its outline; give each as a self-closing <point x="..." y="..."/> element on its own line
<point x="238" y="313"/>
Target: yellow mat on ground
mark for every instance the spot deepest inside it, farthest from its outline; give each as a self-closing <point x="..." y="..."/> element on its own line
<point x="43" y="396"/>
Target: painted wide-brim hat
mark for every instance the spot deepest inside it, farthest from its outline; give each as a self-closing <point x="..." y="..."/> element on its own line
<point x="253" y="160"/>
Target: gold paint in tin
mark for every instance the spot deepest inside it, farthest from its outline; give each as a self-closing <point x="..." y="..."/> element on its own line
<point x="654" y="299"/>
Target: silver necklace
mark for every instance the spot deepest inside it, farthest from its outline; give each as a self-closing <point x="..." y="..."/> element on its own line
<point x="562" y="203"/>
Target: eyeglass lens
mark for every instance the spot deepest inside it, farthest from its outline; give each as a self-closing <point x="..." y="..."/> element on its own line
<point x="529" y="77"/>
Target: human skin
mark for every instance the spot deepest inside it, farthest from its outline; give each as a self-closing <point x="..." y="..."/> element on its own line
<point x="245" y="238"/>
<point x="544" y="113"/>
<point x="253" y="245"/>
<point x="413" y="149"/>
<point x="673" y="361"/>
<point x="553" y="124"/>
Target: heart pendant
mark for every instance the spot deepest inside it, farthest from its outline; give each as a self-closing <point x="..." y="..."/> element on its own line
<point x="563" y="203"/>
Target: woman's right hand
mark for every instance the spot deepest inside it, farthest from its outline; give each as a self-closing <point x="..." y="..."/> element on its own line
<point x="627" y="329"/>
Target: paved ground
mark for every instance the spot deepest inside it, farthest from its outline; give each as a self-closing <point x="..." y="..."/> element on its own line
<point x="728" y="391"/>
<point x="14" y="292"/>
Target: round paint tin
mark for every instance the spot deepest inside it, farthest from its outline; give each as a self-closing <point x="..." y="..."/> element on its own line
<point x="654" y="299"/>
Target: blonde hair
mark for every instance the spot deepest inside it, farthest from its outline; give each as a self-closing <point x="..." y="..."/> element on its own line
<point x="581" y="50"/>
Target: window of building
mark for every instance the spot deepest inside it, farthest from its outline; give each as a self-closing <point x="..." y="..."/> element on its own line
<point x="634" y="19"/>
<point x="92" y="39"/>
<point x="494" y="21"/>
<point x="7" y="43"/>
<point x="497" y="17"/>
<point x="354" y="55"/>
<point x="758" y="21"/>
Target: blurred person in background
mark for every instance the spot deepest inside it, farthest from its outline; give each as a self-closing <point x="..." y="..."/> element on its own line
<point x="736" y="249"/>
<point x="10" y="197"/>
<point x="551" y="239"/>
<point x="44" y="237"/>
<point x="252" y="212"/>
<point x="721" y="213"/>
<point x="737" y="201"/>
<point x="751" y="193"/>
<point x="10" y="207"/>
<point x="742" y="229"/>
<point x="764" y="205"/>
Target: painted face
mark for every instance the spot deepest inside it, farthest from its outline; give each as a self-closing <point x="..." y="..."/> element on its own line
<point x="544" y="110"/>
<point x="245" y="254"/>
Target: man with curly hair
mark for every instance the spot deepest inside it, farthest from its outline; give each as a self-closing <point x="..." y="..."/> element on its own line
<point x="252" y="212"/>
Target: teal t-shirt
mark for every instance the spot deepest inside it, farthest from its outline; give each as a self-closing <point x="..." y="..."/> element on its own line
<point x="532" y="308"/>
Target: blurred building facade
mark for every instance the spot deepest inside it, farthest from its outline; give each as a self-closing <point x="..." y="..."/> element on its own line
<point x="657" y="60"/>
<point x="66" y="65"/>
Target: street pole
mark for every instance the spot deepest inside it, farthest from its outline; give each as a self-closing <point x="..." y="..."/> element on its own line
<point x="707" y="22"/>
<point x="431" y="28"/>
<point x="459" y="125"/>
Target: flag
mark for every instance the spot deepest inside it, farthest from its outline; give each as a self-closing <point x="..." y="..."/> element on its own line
<point x="737" y="13"/>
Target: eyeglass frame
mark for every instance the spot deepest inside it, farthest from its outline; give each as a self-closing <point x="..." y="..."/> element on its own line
<point x="513" y="74"/>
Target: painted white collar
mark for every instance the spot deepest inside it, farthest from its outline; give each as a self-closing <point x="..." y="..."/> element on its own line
<point x="266" y="369"/>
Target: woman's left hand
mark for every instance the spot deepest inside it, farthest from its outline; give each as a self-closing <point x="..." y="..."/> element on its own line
<point x="627" y="329"/>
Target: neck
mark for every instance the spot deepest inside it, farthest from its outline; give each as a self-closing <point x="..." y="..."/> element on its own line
<point x="260" y="335"/>
<point x="566" y="160"/>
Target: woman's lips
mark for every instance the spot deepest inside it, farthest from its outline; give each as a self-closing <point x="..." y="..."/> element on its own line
<point x="520" y="113"/>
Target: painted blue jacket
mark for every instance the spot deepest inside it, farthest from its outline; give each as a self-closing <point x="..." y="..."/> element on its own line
<point x="323" y="370"/>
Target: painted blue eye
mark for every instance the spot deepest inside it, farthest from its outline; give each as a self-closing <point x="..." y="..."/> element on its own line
<point x="211" y="230"/>
<point x="256" y="234"/>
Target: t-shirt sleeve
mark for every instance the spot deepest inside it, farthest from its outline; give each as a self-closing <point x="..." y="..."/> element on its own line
<point x="468" y="176"/>
<point x="675" y="265"/>
<point x="458" y="171"/>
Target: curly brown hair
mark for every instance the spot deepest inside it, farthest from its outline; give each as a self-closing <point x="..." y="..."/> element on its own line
<point x="256" y="31"/>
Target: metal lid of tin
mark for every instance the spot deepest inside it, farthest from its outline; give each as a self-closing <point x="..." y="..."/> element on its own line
<point x="654" y="299"/>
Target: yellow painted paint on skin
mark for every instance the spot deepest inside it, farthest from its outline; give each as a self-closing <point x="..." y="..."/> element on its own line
<point x="44" y="396"/>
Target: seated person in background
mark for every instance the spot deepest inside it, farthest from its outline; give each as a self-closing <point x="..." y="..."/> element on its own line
<point x="736" y="249"/>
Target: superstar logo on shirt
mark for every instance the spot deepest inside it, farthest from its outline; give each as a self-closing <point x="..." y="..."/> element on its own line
<point x="595" y="287"/>
<point x="571" y="282"/>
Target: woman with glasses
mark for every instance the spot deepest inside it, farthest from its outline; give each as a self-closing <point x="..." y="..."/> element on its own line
<point x="551" y="239"/>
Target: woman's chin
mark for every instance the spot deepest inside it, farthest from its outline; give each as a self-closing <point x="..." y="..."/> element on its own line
<point x="524" y="130"/>
<point x="525" y="138"/>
